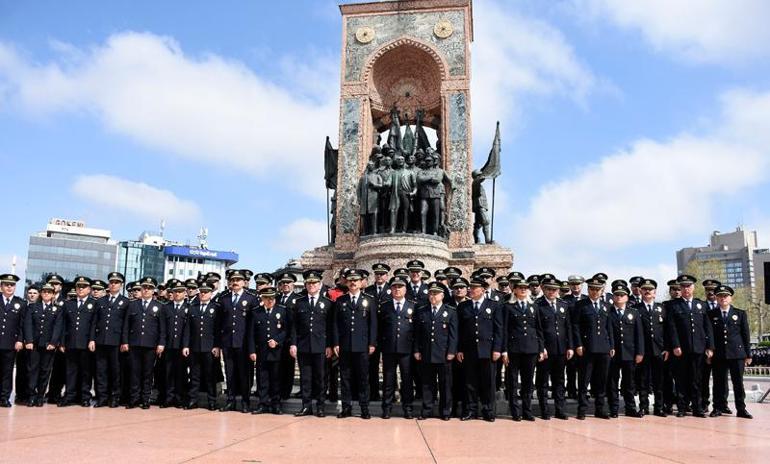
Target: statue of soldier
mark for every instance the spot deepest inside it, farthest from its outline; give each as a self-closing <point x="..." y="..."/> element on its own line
<point x="403" y="186"/>
<point x="480" y="208"/>
<point x="368" y="198"/>
<point x="385" y="170"/>
<point x="432" y="193"/>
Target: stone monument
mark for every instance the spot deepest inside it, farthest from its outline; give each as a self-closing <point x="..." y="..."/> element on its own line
<point x="405" y="63"/>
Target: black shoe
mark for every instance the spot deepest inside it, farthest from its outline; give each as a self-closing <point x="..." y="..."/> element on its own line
<point x="320" y="412"/>
<point x="114" y="403"/>
<point x="245" y="408"/>
<point x="580" y="416"/>
<point x="422" y="417"/>
<point x="613" y="415"/>
<point x="602" y="415"/>
<point x="408" y="414"/>
<point x="669" y="410"/>
<point x="191" y="405"/>
<point x="680" y="414"/>
<point x="488" y="416"/>
<point x="699" y="414"/>
<point x="545" y="417"/>
<point x="100" y="404"/>
<point x="229" y="406"/>
<point x="516" y="418"/>
<point x="444" y="417"/>
<point x="62" y="404"/>
<point x="304" y="412"/>
<point x="146" y="405"/>
<point x="715" y="413"/>
<point x="528" y="417"/>
<point x="744" y="414"/>
<point x="561" y="415"/>
<point x="660" y="413"/>
<point x="132" y="405"/>
<point x="688" y="409"/>
<point x="385" y="414"/>
<point x="726" y="410"/>
<point x="276" y="410"/>
<point x="346" y="412"/>
<point x="259" y="410"/>
<point x="469" y="416"/>
<point x="212" y="406"/>
<point x="365" y="414"/>
<point x="645" y="411"/>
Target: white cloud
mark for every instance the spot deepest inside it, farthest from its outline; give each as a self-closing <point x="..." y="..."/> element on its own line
<point x="514" y="55"/>
<point x="136" y="198"/>
<point x="207" y="108"/>
<point x="716" y="31"/>
<point x="652" y="192"/>
<point x="301" y="235"/>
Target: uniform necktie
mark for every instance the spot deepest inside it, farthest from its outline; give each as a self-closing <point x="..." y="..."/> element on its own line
<point x="353" y="301"/>
<point x="476" y="306"/>
<point x="312" y="302"/>
<point x="596" y="306"/>
<point x="176" y="308"/>
<point x="553" y="305"/>
<point x="144" y="305"/>
<point x="415" y="289"/>
<point x="112" y="300"/>
<point x="689" y="305"/>
<point x="398" y="308"/>
<point x="649" y="308"/>
<point x="434" y="312"/>
<point x="379" y="290"/>
<point x="283" y="299"/>
<point x="80" y="303"/>
<point x="724" y="316"/>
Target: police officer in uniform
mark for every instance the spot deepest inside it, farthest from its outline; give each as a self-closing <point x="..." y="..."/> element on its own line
<point x="435" y="347"/>
<point x="656" y="354"/>
<point x="575" y="294"/>
<point x="522" y="349"/>
<point x="692" y="341"/>
<point x="198" y="347"/>
<point x="731" y="353"/>
<point x="354" y="338"/>
<point x="11" y="334"/>
<point x="77" y="343"/>
<point x="628" y="340"/>
<point x="59" y="368"/>
<point x="636" y="292"/>
<point x="553" y="316"/>
<point x="175" y="373"/>
<point x="191" y="286"/>
<point x="380" y="289"/>
<point x="417" y="290"/>
<point x="311" y="342"/>
<point x="269" y="332"/>
<point x="395" y="331"/>
<point x="709" y="285"/>
<point x="481" y="327"/>
<point x="459" y="294"/>
<point x="144" y="338"/>
<point x="287" y="298"/>
<point x="235" y="310"/>
<point x="593" y="339"/>
<point x="107" y="329"/>
<point x="41" y="336"/>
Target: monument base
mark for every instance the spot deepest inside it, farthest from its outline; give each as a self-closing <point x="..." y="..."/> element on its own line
<point x="396" y="249"/>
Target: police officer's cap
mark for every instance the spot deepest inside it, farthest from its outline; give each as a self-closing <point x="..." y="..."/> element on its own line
<point x="439" y="274"/>
<point x="619" y="282"/>
<point x="175" y="285"/>
<point x="711" y="284"/>
<point x="575" y="279"/>
<point x="635" y="281"/>
<point x="148" y="282"/>
<point x="116" y="277"/>
<point x="47" y="287"/>
<point x="54" y="279"/>
<point x="268" y="292"/>
<point x="247" y="273"/>
<point x="380" y="268"/>
<point x="213" y="276"/>
<point x="398" y="281"/>
<point x="549" y="281"/>
<point x="620" y="289"/>
<point x="236" y="274"/>
<point x="285" y="277"/>
<point x="453" y="272"/>
<point x="402" y="271"/>
<point x="9" y="278"/>
<point x="485" y="272"/>
<point x="425" y="274"/>
<point x="724" y="290"/>
<point x="436" y="287"/>
<point x="263" y="278"/>
<point x="595" y="282"/>
<point x="686" y="279"/>
<point x="356" y="274"/>
<point x="502" y="281"/>
<point x="673" y="284"/>
<point x="601" y="276"/>
<point x="648" y="283"/>
<point x="82" y="280"/>
<point x="515" y="277"/>
<point x="205" y="287"/>
<point x="415" y="265"/>
<point x="97" y="284"/>
<point x="478" y="282"/>
<point x="312" y="275"/>
<point x="533" y="280"/>
<point x="191" y="284"/>
<point x="460" y="282"/>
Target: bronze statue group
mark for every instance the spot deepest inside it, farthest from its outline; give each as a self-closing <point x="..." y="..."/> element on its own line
<point x="429" y="345"/>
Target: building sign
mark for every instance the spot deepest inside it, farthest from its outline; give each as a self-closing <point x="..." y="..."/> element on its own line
<point x="189" y="252"/>
<point x="66" y="222"/>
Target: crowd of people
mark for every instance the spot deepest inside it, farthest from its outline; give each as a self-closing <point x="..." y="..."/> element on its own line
<point x="444" y="342"/>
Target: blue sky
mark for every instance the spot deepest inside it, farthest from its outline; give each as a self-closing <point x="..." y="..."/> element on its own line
<point x="630" y="129"/>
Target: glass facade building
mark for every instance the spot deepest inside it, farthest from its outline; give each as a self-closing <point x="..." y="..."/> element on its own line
<point x="70" y="249"/>
<point x="137" y="260"/>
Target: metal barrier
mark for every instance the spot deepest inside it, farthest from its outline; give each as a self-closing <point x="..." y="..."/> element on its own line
<point x="760" y="371"/>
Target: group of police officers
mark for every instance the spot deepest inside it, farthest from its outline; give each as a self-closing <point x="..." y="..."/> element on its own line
<point x="450" y="340"/>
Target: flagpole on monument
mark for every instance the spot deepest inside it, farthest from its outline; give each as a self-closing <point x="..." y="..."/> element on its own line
<point x="492" y="169"/>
